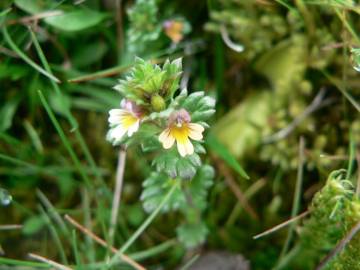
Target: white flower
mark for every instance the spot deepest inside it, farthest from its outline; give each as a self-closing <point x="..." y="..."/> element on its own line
<point x="124" y="120"/>
<point x="180" y="129"/>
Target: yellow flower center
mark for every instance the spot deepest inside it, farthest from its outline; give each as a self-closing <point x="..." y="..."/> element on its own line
<point x="128" y="120"/>
<point x="180" y="133"/>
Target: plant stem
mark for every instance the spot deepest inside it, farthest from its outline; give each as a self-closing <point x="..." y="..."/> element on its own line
<point x="24" y="57"/>
<point x="297" y="197"/>
<point x="145" y="224"/>
<point x="102" y="242"/>
<point x="49" y="262"/>
<point x="117" y="193"/>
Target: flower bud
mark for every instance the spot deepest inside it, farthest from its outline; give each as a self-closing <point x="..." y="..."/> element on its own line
<point x="157" y="103"/>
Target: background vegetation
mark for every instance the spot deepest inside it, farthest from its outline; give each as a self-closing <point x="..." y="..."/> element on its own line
<point x="285" y="75"/>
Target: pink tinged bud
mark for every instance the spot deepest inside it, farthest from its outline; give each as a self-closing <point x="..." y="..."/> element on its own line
<point x="131" y="107"/>
<point x="179" y="117"/>
<point x="167" y="24"/>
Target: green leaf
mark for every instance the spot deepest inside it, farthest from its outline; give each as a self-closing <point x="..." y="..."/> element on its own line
<point x="150" y="144"/>
<point x="33" y="6"/>
<point x="199" y="186"/>
<point x="33" y="225"/>
<point x="34" y="136"/>
<point x="156" y="186"/>
<point x="12" y="71"/>
<point x="144" y="27"/>
<point x="89" y="54"/>
<point x="7" y="113"/>
<point x="199" y="106"/>
<point x="215" y="145"/>
<point x="135" y="214"/>
<point x="76" y="20"/>
<point x="192" y="235"/>
<point x="170" y="162"/>
<point x="60" y="104"/>
<point x="70" y="21"/>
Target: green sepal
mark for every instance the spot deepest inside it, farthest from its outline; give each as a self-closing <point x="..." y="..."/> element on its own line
<point x="148" y="84"/>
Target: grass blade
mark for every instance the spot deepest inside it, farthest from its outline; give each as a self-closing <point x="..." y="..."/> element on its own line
<point x="64" y="139"/>
<point x="142" y="255"/>
<point x="55" y="235"/>
<point x="24" y="57"/>
<point x="70" y="118"/>
<point x="34" y="136"/>
<point x="342" y="90"/>
<point x="215" y="145"/>
<point x="145" y="224"/>
<point x="18" y="263"/>
<point x="297" y="197"/>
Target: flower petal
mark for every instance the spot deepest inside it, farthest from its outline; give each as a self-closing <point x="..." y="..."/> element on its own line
<point x="195" y="135"/>
<point x="166" y="139"/>
<point x="116" y="116"/>
<point x="117" y="133"/>
<point x="195" y="131"/>
<point x="189" y="147"/>
<point x="117" y="112"/>
<point x="181" y="148"/>
<point x="163" y="135"/>
<point x="133" y="128"/>
<point x="169" y="142"/>
<point x="185" y="147"/>
<point x="196" y="127"/>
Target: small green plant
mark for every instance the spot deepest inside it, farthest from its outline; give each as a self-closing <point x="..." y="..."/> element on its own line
<point x="334" y="210"/>
<point x="152" y="116"/>
<point x="149" y="31"/>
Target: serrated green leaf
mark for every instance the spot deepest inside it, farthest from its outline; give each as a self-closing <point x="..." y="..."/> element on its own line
<point x="198" y="187"/>
<point x="200" y="107"/>
<point x="150" y="144"/>
<point x="192" y="100"/>
<point x="202" y="115"/>
<point x="198" y="147"/>
<point x="156" y="186"/>
<point x="170" y="162"/>
<point x="185" y="169"/>
<point x="192" y="235"/>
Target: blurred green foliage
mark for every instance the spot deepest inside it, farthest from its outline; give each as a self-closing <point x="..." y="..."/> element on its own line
<point x="298" y="75"/>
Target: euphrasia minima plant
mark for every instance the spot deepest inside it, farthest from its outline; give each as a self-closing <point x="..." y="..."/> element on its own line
<point x="153" y="116"/>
